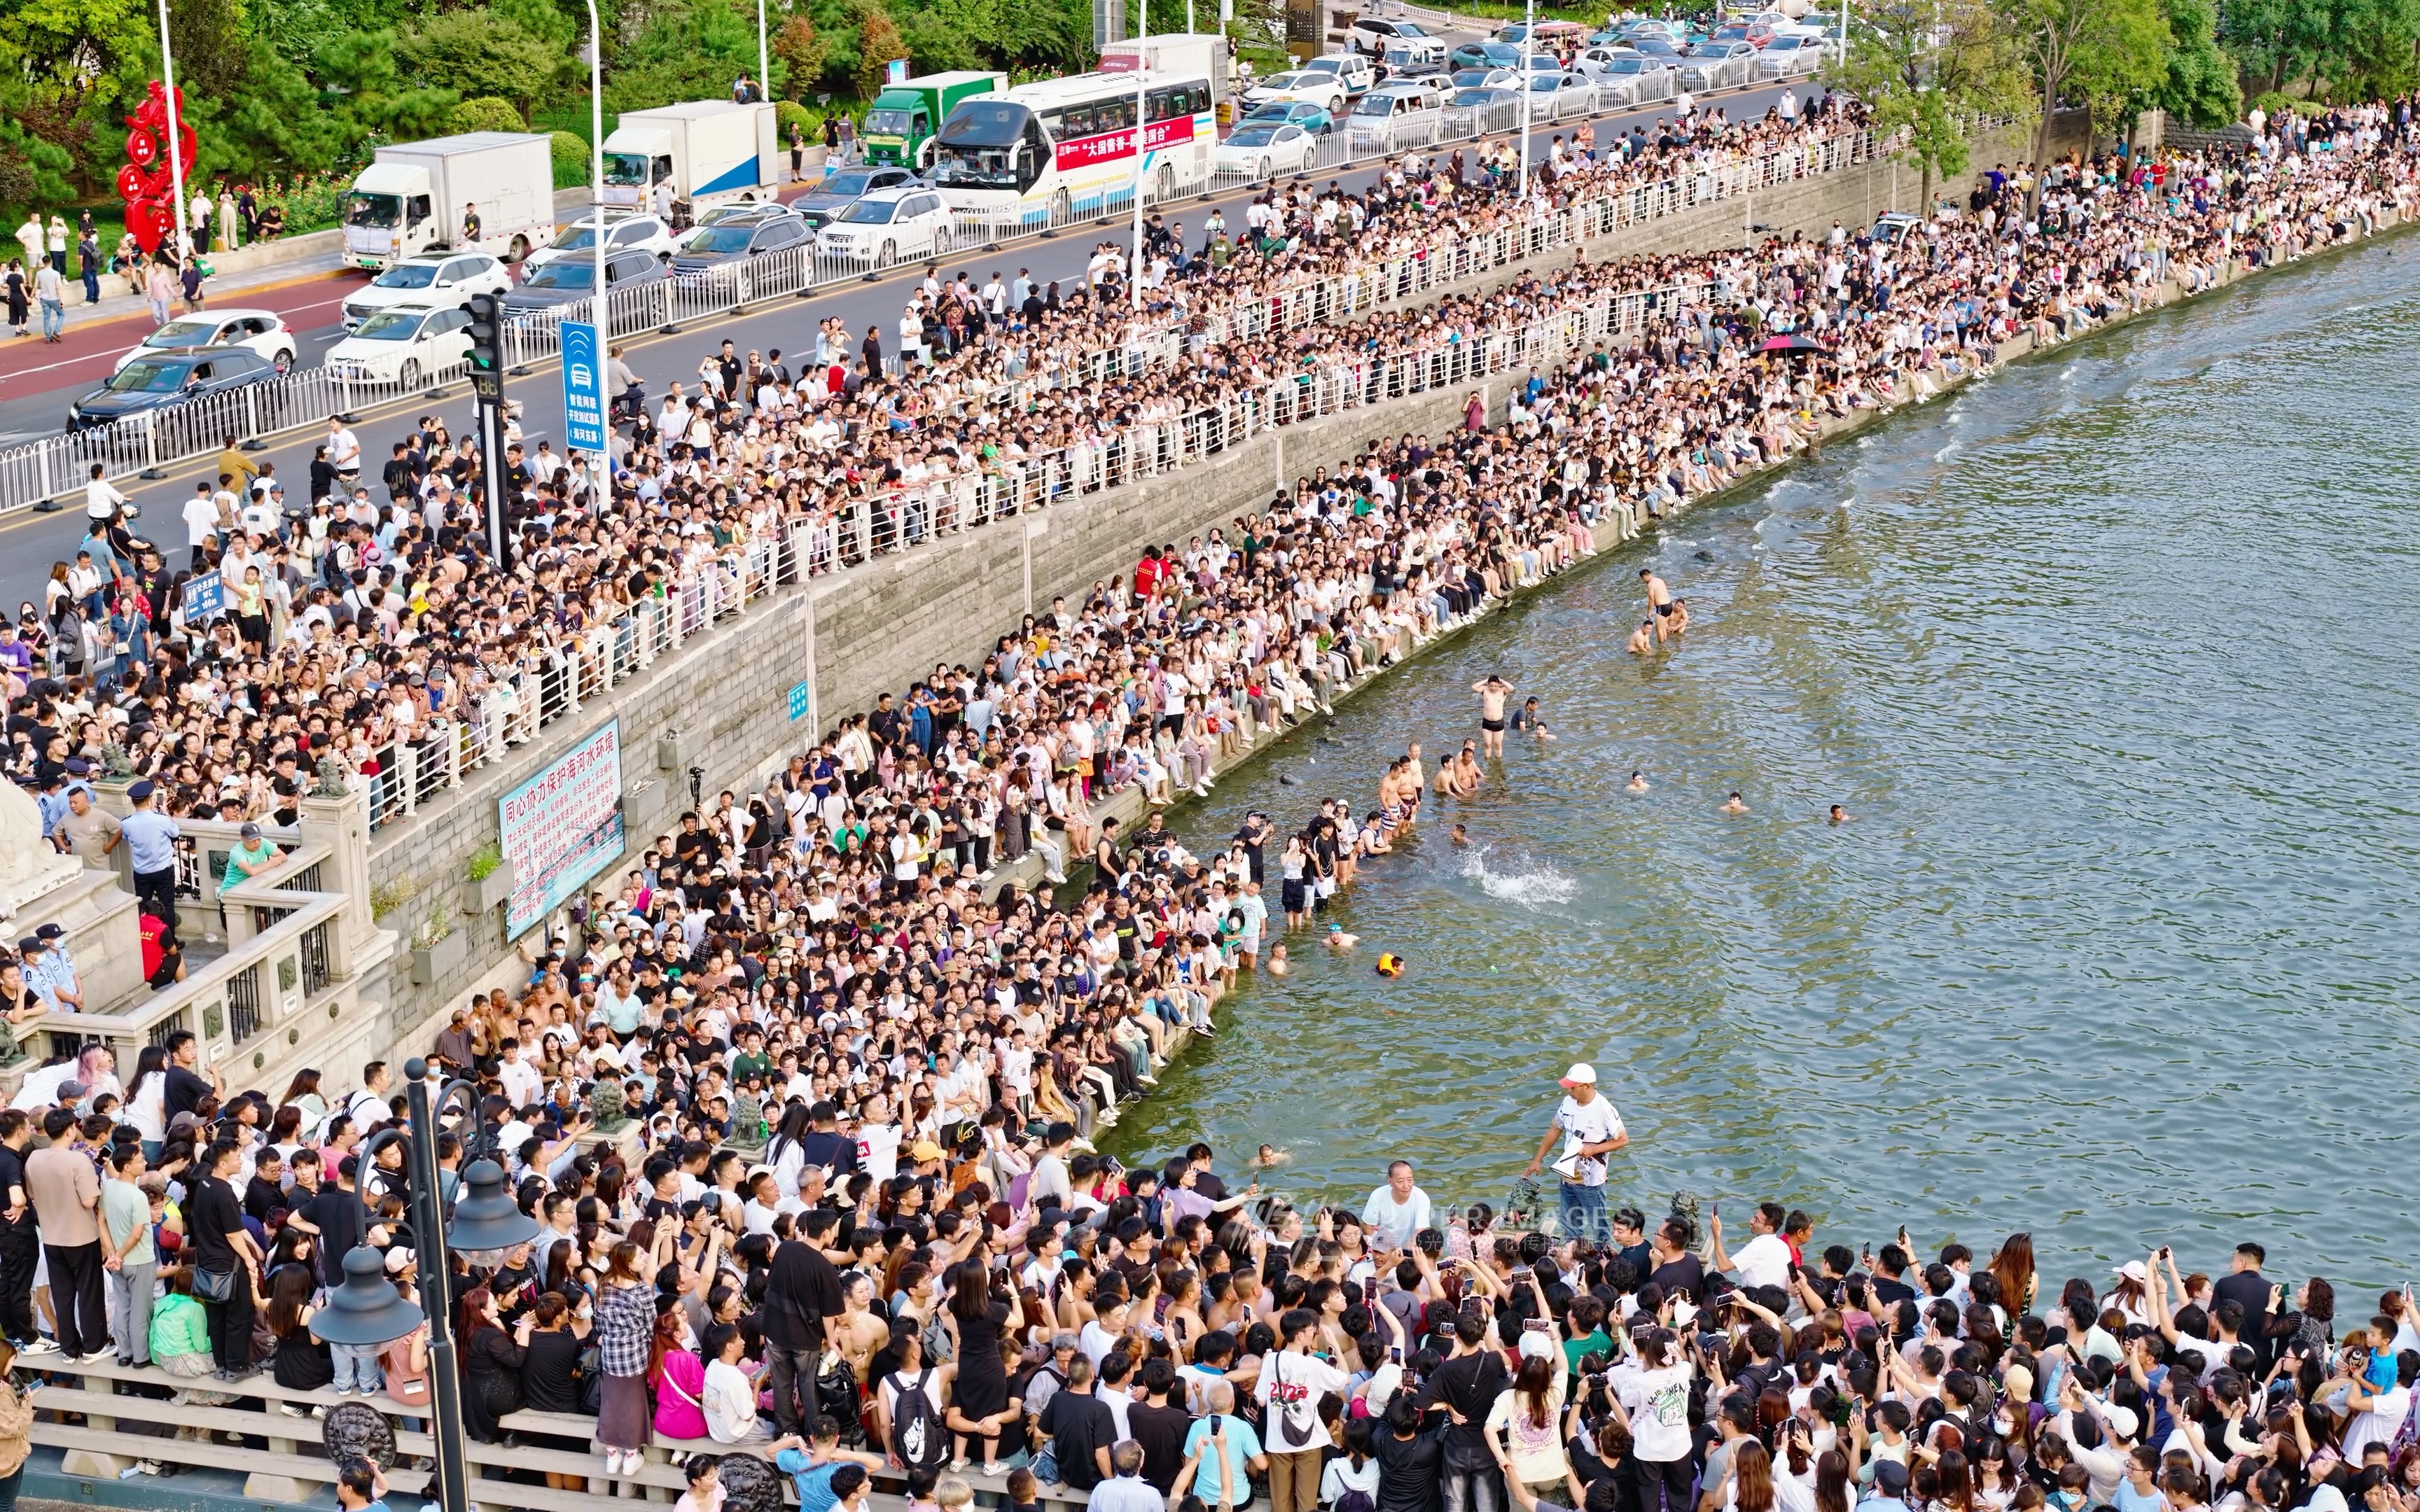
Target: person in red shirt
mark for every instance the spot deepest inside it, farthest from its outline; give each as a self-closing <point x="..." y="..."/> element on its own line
<point x="1150" y="573"/>
<point x="162" y="963"/>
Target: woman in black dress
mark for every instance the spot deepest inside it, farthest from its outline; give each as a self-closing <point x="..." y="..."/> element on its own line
<point x="20" y="307"/>
<point x="491" y="1366"/>
<point x="301" y="1362"/>
<point x="979" y="1399"/>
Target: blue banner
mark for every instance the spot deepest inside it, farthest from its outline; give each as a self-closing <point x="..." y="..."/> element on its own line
<point x="584" y="388"/>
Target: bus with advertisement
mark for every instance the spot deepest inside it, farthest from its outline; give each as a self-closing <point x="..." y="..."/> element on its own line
<point x="1060" y="150"/>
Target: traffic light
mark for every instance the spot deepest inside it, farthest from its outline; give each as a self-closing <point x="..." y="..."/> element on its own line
<point x="486" y="334"/>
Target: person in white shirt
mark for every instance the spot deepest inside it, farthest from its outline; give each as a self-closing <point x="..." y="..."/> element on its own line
<point x="520" y="1080"/>
<point x="730" y="1396"/>
<point x="1591" y="1131"/>
<point x="1764" y="1260"/>
<point x="1291" y="1384"/>
<point x="344" y="448"/>
<point x="1398" y="1209"/>
<point x="101" y="500"/>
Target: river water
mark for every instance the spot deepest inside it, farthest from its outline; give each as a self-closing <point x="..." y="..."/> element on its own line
<point x="2112" y="658"/>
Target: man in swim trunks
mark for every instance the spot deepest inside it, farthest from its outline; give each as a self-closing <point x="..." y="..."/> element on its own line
<point x="1491" y="693"/>
<point x="1659" y="601"/>
<point x="1643" y="639"/>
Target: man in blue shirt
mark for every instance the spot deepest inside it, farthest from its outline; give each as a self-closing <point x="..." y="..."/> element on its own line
<point x="1889" y="1490"/>
<point x="151" y="839"/>
<point x="824" y="1473"/>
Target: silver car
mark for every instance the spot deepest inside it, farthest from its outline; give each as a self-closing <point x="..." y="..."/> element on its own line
<point x="1790" y="58"/>
<point x="1710" y="66"/>
<point x="1637" y="80"/>
<point x="843" y="188"/>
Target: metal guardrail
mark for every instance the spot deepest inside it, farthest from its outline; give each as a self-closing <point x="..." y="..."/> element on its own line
<point x="556" y="682"/>
<point x="58" y="467"/>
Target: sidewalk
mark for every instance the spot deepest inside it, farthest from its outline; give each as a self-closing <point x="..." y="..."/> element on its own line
<point x="116" y="304"/>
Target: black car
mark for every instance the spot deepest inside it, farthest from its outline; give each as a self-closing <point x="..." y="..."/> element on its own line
<point x="161" y="381"/>
<point x="739" y="239"/>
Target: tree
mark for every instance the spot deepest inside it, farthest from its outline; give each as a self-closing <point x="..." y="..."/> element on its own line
<point x="481" y="52"/>
<point x="688" y="50"/>
<point x="2200" y="88"/>
<point x="801" y="51"/>
<point x="2103" y="50"/>
<point x="1929" y="67"/>
<point x="878" y="42"/>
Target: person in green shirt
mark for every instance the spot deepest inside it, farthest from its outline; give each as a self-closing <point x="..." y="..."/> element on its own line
<point x="129" y="1263"/>
<point x="251" y="857"/>
<point x="1587" y="1334"/>
<point x="180" y="1338"/>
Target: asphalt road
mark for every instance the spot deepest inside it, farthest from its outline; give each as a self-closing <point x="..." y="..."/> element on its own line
<point x="29" y="542"/>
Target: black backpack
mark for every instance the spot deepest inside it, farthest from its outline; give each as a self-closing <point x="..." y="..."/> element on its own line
<point x="917" y="1434"/>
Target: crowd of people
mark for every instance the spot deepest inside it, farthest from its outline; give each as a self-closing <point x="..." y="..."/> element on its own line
<point x="861" y="1228"/>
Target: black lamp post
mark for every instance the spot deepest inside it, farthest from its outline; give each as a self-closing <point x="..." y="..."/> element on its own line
<point x="367" y="1310"/>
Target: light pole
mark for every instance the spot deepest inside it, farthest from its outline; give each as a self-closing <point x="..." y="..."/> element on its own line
<point x="1142" y="146"/>
<point x="596" y="183"/>
<point x="1529" y="33"/>
<point x="175" y="144"/>
<point x="764" y="65"/>
<point x="366" y="1309"/>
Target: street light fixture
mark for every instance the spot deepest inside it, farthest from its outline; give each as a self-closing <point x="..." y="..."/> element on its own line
<point x="486" y="1218"/>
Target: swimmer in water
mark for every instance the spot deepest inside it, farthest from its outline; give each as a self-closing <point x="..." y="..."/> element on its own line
<point x="1680" y="615"/>
<point x="1734" y="805"/>
<point x="1492" y="692"/>
<point x="1638" y="782"/>
<point x="1279" y="966"/>
<point x="1461" y="836"/>
<point x="1267" y="1157"/>
<point x="1842" y="816"/>
<point x="1539" y="728"/>
<point x="1340" y="938"/>
<point x="1643" y="639"/>
<point x="1659" y="601"/>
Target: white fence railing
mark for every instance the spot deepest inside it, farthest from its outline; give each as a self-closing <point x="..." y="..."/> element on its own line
<point x="58" y="467"/>
<point x="557" y="680"/>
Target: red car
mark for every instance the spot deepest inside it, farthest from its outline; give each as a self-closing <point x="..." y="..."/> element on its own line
<point x="1754" y="33"/>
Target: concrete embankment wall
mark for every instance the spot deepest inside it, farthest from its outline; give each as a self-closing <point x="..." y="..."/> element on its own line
<point x="723" y="703"/>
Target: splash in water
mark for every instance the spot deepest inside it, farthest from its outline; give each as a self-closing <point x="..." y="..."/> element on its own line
<point x="1530" y="889"/>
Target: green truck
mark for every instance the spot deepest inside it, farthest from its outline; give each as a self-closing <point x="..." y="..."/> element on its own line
<point x="901" y="122"/>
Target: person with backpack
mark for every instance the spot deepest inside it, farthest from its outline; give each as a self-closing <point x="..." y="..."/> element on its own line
<point x="907" y="1410"/>
<point x="1350" y="1482"/>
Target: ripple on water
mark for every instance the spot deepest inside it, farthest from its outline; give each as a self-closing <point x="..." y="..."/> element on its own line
<point x="2112" y="674"/>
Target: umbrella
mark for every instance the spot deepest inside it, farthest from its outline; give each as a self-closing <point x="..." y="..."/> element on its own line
<point x="1791" y="342"/>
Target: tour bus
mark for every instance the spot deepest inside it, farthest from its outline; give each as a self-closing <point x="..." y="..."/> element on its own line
<point x="1057" y="150"/>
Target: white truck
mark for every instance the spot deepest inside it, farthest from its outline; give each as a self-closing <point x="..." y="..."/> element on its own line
<point x="710" y="151"/>
<point x="1212" y="56"/>
<point x="425" y="196"/>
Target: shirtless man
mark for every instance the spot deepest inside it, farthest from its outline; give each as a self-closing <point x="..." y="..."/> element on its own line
<point x="1842" y="816"/>
<point x="1638" y="782"/>
<point x="1733" y="805"/>
<point x="1491" y="693"/>
<point x="1339" y="939"/>
<point x="1679" y="616"/>
<point x="1643" y="639"/>
<point x="1458" y="776"/>
<point x="1415" y="784"/>
<point x="857" y="1333"/>
<point x="1659" y="600"/>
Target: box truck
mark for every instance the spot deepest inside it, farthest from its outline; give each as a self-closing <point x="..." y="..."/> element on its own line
<point x="903" y="120"/>
<point x="420" y="196"/>
<point x="710" y="151"/>
<point x="1212" y="56"/>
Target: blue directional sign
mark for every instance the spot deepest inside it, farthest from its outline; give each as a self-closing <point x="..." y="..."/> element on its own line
<point x="584" y="388"/>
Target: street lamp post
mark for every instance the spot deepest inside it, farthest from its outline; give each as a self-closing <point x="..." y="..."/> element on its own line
<point x="175" y="144"/>
<point x="366" y="1309"/>
<point x="1142" y="146"/>
<point x="1528" y="33"/>
<point x="764" y="60"/>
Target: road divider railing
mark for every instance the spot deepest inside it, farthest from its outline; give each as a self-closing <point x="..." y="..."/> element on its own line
<point x="558" y="680"/>
<point x="58" y="468"/>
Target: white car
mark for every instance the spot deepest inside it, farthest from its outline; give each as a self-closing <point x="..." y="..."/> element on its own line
<point x="402" y="346"/>
<point x="1357" y="75"/>
<point x="434" y="278"/>
<point x="1375" y="36"/>
<point x="260" y="330"/>
<point x="888" y="225"/>
<point x="1710" y="66"/>
<point x="623" y="232"/>
<point x="1265" y="149"/>
<point x="1320" y="89"/>
<point x="1789" y="57"/>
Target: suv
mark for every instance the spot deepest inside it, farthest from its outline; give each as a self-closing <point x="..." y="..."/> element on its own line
<point x="643" y="230"/>
<point x="170" y="379"/>
<point x="440" y="277"/>
<point x="1351" y="70"/>
<point x="1376" y="38"/>
<point x="739" y="239"/>
<point x="841" y="187"/>
<point x="888" y="225"/>
<point x="573" y="281"/>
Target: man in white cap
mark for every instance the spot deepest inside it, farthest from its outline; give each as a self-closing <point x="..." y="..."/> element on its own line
<point x="1591" y="1131"/>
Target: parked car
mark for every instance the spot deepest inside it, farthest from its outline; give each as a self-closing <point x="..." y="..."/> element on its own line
<point x="434" y="278"/>
<point x="643" y="230"/>
<point x="743" y="237"/>
<point x="1486" y="55"/>
<point x="1710" y="66"/>
<point x="1267" y="149"/>
<point x="1554" y="96"/>
<point x="1302" y="113"/>
<point x="153" y="383"/>
<point x="1377" y="37"/>
<point x="1645" y="79"/>
<point x="1655" y="45"/>
<point x="843" y="188"/>
<point x="402" y="345"/>
<point x="1790" y="58"/>
<point x="888" y="225"/>
<point x="1891" y="225"/>
<point x="1351" y="70"/>
<point x="261" y="331"/>
<point x="1494" y="107"/>
<point x="1321" y="89"/>
<point x="1486" y="79"/>
<point x="573" y="282"/>
<point x="1401" y="64"/>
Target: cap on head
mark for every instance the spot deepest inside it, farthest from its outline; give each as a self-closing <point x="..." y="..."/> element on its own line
<point x="1581" y="1075"/>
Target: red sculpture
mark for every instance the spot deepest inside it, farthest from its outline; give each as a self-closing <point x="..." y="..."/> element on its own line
<point x="145" y="183"/>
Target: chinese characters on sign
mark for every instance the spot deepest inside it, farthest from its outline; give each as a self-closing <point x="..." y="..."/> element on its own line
<point x="1085" y="150"/>
<point x="562" y="827"/>
<point x="584" y="388"/>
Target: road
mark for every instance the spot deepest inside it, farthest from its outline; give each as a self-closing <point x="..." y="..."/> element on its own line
<point x="29" y="542"/>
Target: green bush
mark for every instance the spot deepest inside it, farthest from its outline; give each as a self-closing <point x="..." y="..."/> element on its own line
<point x="2275" y="103"/>
<point x="570" y="159"/>
<point x="484" y="114"/>
<point x="485" y="861"/>
<point x="789" y="113"/>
